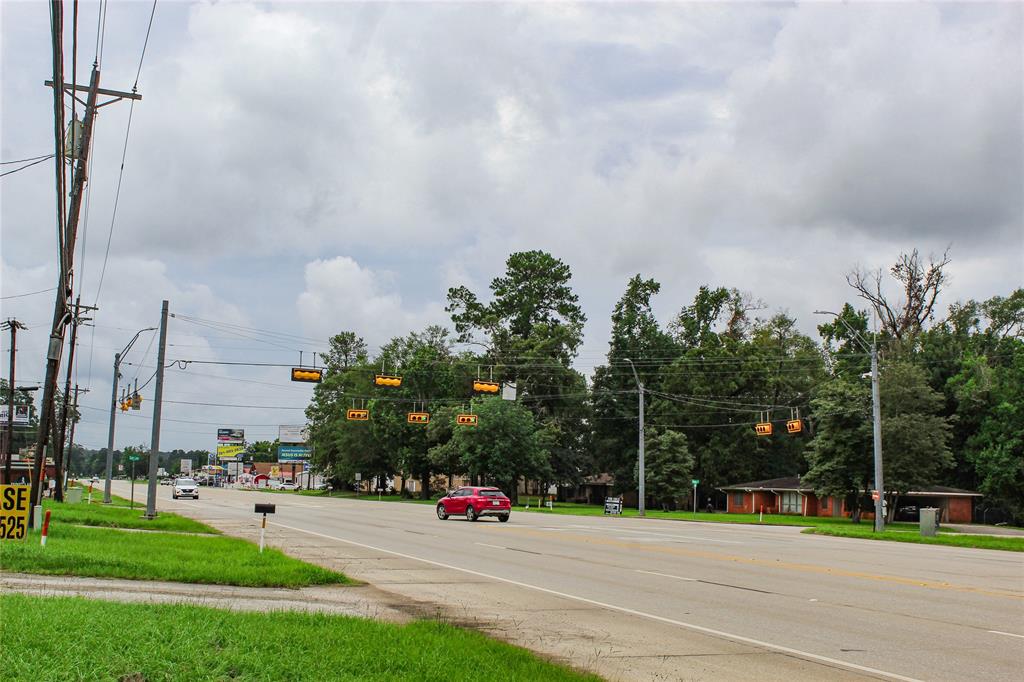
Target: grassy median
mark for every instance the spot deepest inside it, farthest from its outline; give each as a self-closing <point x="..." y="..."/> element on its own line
<point x="99" y="541"/>
<point x="73" y="639"/>
<point x="866" y="532"/>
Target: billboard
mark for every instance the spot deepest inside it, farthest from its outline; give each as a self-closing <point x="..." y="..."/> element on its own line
<point x="230" y="435"/>
<point x="293" y="453"/>
<point x="229" y="450"/>
<point x="186" y="466"/>
<point x="292" y="434"/>
<point x="20" y="414"/>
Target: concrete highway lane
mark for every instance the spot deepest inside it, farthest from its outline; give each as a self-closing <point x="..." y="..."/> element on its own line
<point x="650" y="599"/>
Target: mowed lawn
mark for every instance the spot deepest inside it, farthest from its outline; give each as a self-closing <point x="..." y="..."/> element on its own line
<point x="117" y="516"/>
<point x="92" y="541"/>
<point x="48" y="638"/>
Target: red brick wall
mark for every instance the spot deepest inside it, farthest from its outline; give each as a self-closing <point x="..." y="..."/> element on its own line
<point x="960" y="510"/>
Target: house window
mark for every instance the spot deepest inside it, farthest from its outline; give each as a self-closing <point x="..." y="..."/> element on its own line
<point x="737" y="499"/>
<point x="792" y="503"/>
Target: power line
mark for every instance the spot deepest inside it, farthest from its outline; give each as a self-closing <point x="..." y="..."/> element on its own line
<point x="34" y="158"/>
<point x="34" y="163"/>
<point x="31" y="293"/>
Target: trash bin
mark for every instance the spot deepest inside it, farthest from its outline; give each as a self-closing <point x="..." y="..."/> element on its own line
<point x="73" y="496"/>
<point x="929" y="521"/>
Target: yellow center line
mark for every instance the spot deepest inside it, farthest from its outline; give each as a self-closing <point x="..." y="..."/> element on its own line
<point x="770" y="563"/>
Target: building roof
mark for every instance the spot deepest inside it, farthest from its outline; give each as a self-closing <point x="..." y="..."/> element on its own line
<point x="793" y="483"/>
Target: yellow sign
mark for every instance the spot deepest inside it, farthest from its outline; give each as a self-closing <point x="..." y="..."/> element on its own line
<point x="225" y="451"/>
<point x="14" y="504"/>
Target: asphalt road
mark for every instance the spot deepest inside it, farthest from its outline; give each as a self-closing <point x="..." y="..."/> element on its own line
<point x="652" y="599"/>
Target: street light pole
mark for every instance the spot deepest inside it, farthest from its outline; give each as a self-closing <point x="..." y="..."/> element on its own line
<point x="876" y="419"/>
<point x="113" y="412"/>
<point x="640" y="453"/>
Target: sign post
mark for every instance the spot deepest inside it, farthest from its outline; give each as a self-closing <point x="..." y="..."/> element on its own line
<point x="694" y="482"/>
<point x="264" y="509"/>
<point x="133" y="459"/>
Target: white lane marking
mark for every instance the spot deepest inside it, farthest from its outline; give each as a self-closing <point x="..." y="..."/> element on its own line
<point x="1008" y="634"/>
<point x="666" y="575"/>
<point x="664" y="536"/>
<point x="484" y="544"/>
<point x="620" y="609"/>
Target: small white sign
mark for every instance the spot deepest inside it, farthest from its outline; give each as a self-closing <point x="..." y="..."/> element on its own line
<point x="359" y="477"/>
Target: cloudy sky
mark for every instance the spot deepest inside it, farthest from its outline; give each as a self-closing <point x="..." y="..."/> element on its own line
<point x="307" y="168"/>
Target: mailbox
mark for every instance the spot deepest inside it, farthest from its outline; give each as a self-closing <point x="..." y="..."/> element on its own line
<point x="265" y="508"/>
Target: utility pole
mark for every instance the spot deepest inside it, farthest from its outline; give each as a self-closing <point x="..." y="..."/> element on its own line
<point x="71" y="437"/>
<point x="876" y="419"/>
<point x="58" y="446"/>
<point x="14" y="326"/>
<point x="158" y="397"/>
<point x="640" y="453"/>
<point x="68" y="236"/>
<point x="113" y="411"/>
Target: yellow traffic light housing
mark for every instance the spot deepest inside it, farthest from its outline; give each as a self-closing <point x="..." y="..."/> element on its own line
<point x="467" y="420"/>
<point x="136" y="402"/>
<point x="126" y="405"/>
<point x="763" y="429"/>
<point x="357" y="415"/>
<point x="794" y="426"/>
<point x="481" y="386"/>
<point x="307" y="374"/>
<point x="387" y="380"/>
<point x="418" y="418"/>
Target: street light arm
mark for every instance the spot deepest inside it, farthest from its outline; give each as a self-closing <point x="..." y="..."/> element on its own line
<point x="856" y="335"/>
<point x="639" y="385"/>
<point x="134" y="339"/>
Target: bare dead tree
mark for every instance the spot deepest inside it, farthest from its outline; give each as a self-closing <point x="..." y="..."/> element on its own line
<point x="921" y="287"/>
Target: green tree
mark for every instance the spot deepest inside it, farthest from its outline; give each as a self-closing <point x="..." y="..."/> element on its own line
<point x="668" y="467"/>
<point x="263" y="451"/>
<point x="505" y="446"/>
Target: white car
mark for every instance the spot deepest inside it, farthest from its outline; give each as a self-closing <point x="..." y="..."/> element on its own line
<point x="185" y="487"/>
<point x="284" y="485"/>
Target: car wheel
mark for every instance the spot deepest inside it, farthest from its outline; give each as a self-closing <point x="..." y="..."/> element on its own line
<point x="441" y="513"/>
<point x="197" y="497"/>
<point x="471" y="513"/>
<point x="504" y="518"/>
<point x="174" y="496"/>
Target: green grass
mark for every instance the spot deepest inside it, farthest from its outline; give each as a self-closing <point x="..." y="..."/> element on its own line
<point x="98" y="514"/>
<point x="109" y="553"/>
<point x="1008" y="543"/>
<point x="47" y="638"/>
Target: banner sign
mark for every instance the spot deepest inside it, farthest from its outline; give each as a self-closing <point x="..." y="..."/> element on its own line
<point x="186" y="466"/>
<point x="292" y="434"/>
<point x="230" y="435"/>
<point x="13" y="511"/>
<point x="229" y="451"/>
<point x="20" y="414"/>
<point x="293" y="453"/>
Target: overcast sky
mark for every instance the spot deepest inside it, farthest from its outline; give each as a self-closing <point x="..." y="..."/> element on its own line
<point x="312" y="168"/>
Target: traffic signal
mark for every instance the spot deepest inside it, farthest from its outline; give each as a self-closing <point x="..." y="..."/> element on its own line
<point x="126" y="404"/>
<point x="387" y="380"/>
<point x="418" y="417"/>
<point x="357" y="415"/>
<point x="467" y="420"/>
<point x="486" y="386"/>
<point x="795" y="426"/>
<point x="763" y="429"/>
<point x="137" y="402"/>
<point x="307" y="374"/>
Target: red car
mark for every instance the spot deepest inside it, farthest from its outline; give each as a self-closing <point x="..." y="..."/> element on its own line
<point x="474" y="503"/>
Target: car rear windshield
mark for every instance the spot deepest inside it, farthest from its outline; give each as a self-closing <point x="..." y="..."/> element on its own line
<point x="185" y="481"/>
<point x="492" y="493"/>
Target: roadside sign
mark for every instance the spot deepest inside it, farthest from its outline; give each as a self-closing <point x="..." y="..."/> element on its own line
<point x="359" y="477"/>
<point x="14" y="506"/>
<point x="133" y="458"/>
<point x="694" y="481"/>
<point x="120" y="467"/>
<point x="613" y="505"/>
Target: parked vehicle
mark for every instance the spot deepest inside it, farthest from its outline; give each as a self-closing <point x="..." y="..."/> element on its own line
<point x="474" y="502"/>
<point x="284" y="485"/>
<point x="185" y="487"/>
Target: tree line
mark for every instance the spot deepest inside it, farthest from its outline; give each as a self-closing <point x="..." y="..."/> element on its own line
<point x="951" y="391"/>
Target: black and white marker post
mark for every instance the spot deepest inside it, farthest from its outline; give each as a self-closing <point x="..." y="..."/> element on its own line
<point x="264" y="509"/>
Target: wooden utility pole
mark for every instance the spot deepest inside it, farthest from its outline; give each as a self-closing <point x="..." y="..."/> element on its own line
<point x="14" y="326"/>
<point x="71" y="436"/>
<point x="158" y="401"/>
<point x="58" y="446"/>
<point x="61" y="314"/>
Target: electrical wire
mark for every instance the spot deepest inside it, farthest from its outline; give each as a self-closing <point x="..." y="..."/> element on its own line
<point x="34" y="163"/>
<point x="31" y="293"/>
<point x="34" y="158"/>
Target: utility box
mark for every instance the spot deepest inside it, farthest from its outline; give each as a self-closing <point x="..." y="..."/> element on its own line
<point x="929" y="521"/>
<point x="73" y="496"/>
